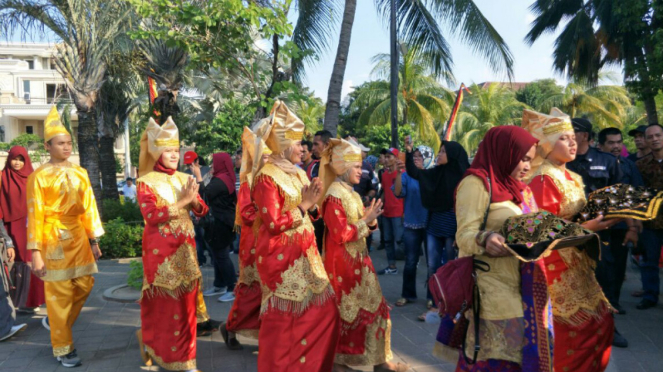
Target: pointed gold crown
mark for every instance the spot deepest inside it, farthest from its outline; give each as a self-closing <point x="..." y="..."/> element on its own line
<point x="53" y="126"/>
<point x="546" y="128"/>
<point x="154" y="141"/>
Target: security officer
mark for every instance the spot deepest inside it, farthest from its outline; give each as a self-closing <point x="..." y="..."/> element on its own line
<point x="598" y="170"/>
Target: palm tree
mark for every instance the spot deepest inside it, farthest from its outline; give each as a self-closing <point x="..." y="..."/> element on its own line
<point x="422" y="101"/>
<point x="486" y="107"/>
<point x="418" y="26"/>
<point x="599" y="33"/>
<point x="87" y="31"/>
<point x="605" y="105"/>
<point x="311" y="111"/>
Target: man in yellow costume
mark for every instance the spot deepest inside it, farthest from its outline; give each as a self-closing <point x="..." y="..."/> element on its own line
<point x="63" y="227"/>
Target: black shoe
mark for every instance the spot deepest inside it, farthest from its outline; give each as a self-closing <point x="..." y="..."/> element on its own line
<point x="214" y="324"/>
<point x="645" y="304"/>
<point x="70" y="360"/>
<point x="619" y="340"/>
<point x="231" y="343"/>
<point x="203" y="329"/>
<point x="620" y="309"/>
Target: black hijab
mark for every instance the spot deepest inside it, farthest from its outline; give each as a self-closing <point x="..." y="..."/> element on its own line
<point x="438" y="185"/>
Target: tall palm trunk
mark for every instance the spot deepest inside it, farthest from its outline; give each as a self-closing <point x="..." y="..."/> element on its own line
<point x="88" y="149"/>
<point x="650" y="108"/>
<point x="336" y="82"/>
<point x="108" y="167"/>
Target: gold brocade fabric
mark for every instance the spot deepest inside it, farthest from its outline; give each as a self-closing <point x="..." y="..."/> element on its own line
<point x="574" y="196"/>
<point x="354" y="211"/>
<point x="377" y="348"/>
<point x="62" y="216"/>
<point x="248" y="274"/>
<point x="168" y="190"/>
<point x="499" y="339"/>
<point x="366" y="295"/>
<point x="177" y="366"/>
<point x="289" y="186"/>
<point x="178" y="271"/>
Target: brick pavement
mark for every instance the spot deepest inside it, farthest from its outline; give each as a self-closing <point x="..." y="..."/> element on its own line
<point x="104" y="333"/>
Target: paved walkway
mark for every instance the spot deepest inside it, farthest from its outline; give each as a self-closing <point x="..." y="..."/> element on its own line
<point x="104" y="333"/>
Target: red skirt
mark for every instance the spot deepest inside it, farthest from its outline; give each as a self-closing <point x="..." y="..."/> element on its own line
<point x="32" y="284"/>
<point x="169" y="329"/>
<point x="244" y="316"/>
<point x="305" y="343"/>
<point x="583" y="348"/>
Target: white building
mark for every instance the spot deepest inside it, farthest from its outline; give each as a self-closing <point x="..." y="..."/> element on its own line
<point x="29" y="86"/>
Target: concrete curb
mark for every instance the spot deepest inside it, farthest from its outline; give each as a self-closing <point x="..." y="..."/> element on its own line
<point x="110" y="295"/>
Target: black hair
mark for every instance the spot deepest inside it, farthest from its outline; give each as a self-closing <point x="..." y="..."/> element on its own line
<point x="325" y="135"/>
<point x="654" y="125"/>
<point x="308" y="144"/>
<point x="603" y="134"/>
<point x="129" y="179"/>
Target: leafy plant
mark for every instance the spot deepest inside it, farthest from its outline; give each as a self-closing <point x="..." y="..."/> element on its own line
<point x="29" y="141"/>
<point x="127" y="211"/>
<point x="4" y="146"/>
<point x="121" y="239"/>
<point x="135" y="275"/>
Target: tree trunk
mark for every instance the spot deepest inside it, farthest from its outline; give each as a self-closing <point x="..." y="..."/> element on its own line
<point x="336" y="83"/>
<point x="108" y="166"/>
<point x="650" y="107"/>
<point x="393" y="37"/>
<point x="88" y="150"/>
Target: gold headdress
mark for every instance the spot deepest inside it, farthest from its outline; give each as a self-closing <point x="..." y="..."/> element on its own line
<point x="53" y="126"/>
<point x="338" y="158"/>
<point x="248" y="151"/>
<point x="547" y="129"/>
<point x="154" y="141"/>
<point x="279" y="131"/>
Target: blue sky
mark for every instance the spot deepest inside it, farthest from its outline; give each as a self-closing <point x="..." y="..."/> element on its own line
<point x="370" y="36"/>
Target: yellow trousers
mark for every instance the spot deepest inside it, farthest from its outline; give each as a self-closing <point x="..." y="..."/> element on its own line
<point x="64" y="301"/>
<point x="201" y="310"/>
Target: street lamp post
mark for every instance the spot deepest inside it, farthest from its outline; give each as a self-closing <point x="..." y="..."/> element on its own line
<point x="394" y="76"/>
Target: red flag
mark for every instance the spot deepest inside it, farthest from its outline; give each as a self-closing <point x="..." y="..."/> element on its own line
<point x="151" y="89"/>
<point x="454" y="111"/>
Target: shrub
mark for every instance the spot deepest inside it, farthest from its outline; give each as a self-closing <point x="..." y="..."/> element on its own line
<point x="29" y="141"/>
<point x="127" y="211"/>
<point x="4" y="146"/>
<point x="135" y="276"/>
<point x="121" y="239"/>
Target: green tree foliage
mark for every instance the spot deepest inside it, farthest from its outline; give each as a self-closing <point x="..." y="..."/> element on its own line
<point x="135" y="275"/>
<point x="29" y="141"/>
<point x="534" y="93"/>
<point x="121" y="239"/>
<point x="127" y="211"/>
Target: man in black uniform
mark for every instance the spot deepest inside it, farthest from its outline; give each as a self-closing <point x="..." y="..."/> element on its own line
<point x="598" y="169"/>
<point x="320" y="143"/>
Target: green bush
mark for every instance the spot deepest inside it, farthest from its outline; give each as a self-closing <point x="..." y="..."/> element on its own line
<point x="29" y="141"/>
<point x="121" y="239"/>
<point x="4" y="146"/>
<point x="127" y="211"/>
<point x="135" y="276"/>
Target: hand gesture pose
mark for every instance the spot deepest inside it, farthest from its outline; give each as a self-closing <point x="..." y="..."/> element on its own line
<point x="311" y="194"/>
<point x="189" y="194"/>
<point x="408" y="143"/>
<point x="373" y="211"/>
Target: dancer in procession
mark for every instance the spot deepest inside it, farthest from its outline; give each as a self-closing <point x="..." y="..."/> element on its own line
<point x="365" y="338"/>
<point x="582" y="316"/>
<point x="299" y="318"/>
<point x="63" y="228"/>
<point x="29" y="291"/>
<point x="244" y="315"/>
<point x="170" y="267"/>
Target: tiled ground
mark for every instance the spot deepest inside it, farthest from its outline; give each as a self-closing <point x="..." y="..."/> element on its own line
<point x="104" y="333"/>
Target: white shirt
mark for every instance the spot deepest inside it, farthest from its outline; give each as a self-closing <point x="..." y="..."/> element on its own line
<point x="129" y="192"/>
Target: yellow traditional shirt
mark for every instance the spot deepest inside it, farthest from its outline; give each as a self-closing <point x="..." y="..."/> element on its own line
<point x="62" y="217"/>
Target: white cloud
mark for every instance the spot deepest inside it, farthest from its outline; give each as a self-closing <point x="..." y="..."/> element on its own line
<point x="348" y="87"/>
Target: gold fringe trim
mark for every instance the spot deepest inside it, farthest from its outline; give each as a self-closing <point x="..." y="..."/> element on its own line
<point x="583" y="316"/>
<point x="377" y="347"/>
<point x="249" y="333"/>
<point x="152" y="291"/>
<point x="296" y="308"/>
<point x="63" y="350"/>
<point x="175" y="366"/>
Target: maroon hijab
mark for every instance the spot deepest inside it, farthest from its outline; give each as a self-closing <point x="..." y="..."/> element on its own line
<point x="159" y="166"/>
<point x="13" y="201"/>
<point x="224" y="170"/>
<point x="499" y="153"/>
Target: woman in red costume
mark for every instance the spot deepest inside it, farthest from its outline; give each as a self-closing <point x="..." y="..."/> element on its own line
<point x="170" y="267"/>
<point x="365" y="338"/>
<point x="244" y="316"/>
<point x="29" y="292"/>
<point x="299" y="318"/>
<point x="582" y="317"/>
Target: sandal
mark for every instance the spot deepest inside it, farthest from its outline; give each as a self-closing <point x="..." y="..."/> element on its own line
<point x="231" y="343"/>
<point x="402" y="302"/>
<point x="429" y="304"/>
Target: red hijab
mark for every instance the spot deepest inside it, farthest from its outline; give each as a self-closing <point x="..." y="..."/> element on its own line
<point x="159" y="166"/>
<point x="224" y="170"/>
<point x="499" y="153"/>
<point x="13" y="201"/>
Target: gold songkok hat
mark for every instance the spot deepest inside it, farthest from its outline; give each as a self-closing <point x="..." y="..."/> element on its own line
<point x="154" y="141"/>
<point x="285" y="129"/>
<point x="338" y="158"/>
<point x="546" y="128"/>
<point x="53" y="126"/>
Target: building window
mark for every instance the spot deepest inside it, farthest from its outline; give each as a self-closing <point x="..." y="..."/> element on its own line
<point x="31" y="64"/>
<point x="53" y="92"/>
<point x="52" y="64"/>
<point x="26" y="91"/>
<point x="29" y="129"/>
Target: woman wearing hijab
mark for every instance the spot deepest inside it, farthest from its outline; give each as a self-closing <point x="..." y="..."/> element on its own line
<point x="299" y="318"/>
<point x="170" y="267"/>
<point x="222" y="199"/>
<point x="437" y="187"/>
<point x="494" y="181"/>
<point x="415" y="217"/>
<point x="365" y="325"/>
<point x="582" y="316"/>
<point x="29" y="292"/>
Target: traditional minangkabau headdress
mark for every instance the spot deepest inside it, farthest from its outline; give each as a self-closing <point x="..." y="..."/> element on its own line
<point x="154" y="141"/>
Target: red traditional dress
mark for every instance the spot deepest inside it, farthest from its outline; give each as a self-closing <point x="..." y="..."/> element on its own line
<point x="170" y="267"/>
<point x="582" y="319"/>
<point x="299" y="326"/>
<point x="244" y="316"/>
<point x="365" y="326"/>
